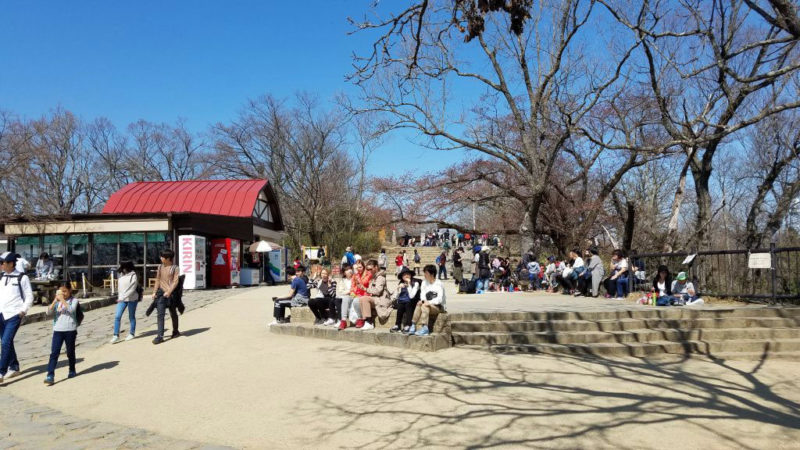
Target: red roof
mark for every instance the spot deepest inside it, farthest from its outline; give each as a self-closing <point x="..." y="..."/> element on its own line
<point x="219" y="197"/>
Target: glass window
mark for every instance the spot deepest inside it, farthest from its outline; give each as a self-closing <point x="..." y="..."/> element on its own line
<point x="131" y="247"/>
<point x="54" y="246"/>
<point x="105" y="249"/>
<point x="30" y="248"/>
<point x="77" y="250"/>
<point x="156" y="242"/>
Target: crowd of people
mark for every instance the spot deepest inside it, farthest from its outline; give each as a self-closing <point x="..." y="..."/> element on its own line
<point x="16" y="299"/>
<point x="365" y="294"/>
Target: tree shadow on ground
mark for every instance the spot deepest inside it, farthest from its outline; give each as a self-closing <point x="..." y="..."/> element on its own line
<point x="494" y="400"/>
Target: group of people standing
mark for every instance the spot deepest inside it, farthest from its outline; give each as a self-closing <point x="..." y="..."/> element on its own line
<point x="16" y="299"/>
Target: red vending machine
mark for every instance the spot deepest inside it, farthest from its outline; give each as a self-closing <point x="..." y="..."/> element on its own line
<point x="225" y="262"/>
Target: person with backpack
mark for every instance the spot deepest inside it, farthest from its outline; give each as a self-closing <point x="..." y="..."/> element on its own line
<point x="130" y="294"/>
<point x="483" y="271"/>
<point x="16" y="298"/>
<point x="66" y="310"/>
<point x="167" y="278"/>
<point x="441" y="261"/>
<point x="417" y="260"/>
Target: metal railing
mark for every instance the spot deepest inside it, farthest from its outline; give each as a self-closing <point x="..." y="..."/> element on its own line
<point x="725" y="273"/>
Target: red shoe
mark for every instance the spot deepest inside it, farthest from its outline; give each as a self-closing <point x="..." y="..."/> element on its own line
<point x="360" y="323"/>
<point x="342" y="324"/>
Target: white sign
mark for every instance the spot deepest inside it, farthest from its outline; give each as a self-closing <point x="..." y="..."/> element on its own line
<point x="192" y="261"/>
<point x="759" y="261"/>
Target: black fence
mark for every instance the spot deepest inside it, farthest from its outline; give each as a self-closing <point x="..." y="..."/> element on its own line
<point x="725" y="273"/>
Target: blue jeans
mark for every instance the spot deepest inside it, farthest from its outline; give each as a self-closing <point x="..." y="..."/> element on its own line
<point x="8" y="356"/>
<point x="482" y="284"/>
<point x="59" y="338"/>
<point x="131" y="316"/>
<point x="622" y="286"/>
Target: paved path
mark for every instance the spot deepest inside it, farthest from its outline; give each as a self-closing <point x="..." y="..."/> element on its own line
<point x="232" y="382"/>
<point x="33" y="339"/>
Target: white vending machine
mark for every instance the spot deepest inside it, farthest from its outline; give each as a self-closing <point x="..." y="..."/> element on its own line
<point x="192" y="260"/>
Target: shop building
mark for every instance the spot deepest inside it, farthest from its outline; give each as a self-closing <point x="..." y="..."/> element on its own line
<point x="142" y="219"/>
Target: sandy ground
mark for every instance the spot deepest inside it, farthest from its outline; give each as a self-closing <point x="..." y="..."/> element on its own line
<point x="230" y="381"/>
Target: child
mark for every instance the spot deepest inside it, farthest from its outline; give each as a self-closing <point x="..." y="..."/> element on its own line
<point x="65" y="329"/>
<point x="298" y="296"/>
<point x="406" y="295"/>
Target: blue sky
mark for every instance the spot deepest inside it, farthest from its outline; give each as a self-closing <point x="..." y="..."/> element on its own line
<point x="198" y="60"/>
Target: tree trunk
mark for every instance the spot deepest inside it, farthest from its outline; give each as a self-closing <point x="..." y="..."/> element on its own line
<point x="675" y="211"/>
<point x="702" y="175"/>
<point x="630" y="221"/>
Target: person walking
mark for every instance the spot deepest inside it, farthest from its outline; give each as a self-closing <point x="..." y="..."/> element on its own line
<point x="128" y="298"/>
<point x="167" y="277"/>
<point x="65" y="330"/>
<point x="16" y="298"/>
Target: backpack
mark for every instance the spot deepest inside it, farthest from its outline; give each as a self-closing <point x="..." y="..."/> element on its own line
<point x="19" y="282"/>
<point x="438" y="260"/>
<point x="79" y="314"/>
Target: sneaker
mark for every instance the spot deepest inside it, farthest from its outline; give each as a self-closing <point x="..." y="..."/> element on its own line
<point x="114" y="340"/>
<point x="130" y="336"/>
<point x="368" y="326"/>
<point x="274" y="322"/>
<point x="72" y="375"/>
<point x="49" y="381"/>
<point x="11" y="374"/>
<point x="176" y="334"/>
<point x="157" y="340"/>
<point x="359" y="323"/>
<point x="318" y="322"/>
<point x="342" y="325"/>
<point x="423" y="331"/>
<point x="405" y="330"/>
<point x="394" y="329"/>
<point x="412" y="329"/>
<point x="329" y="322"/>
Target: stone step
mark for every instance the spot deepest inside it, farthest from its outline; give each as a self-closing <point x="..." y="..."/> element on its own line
<point x="630" y="336"/>
<point x="431" y="343"/>
<point x="633" y="313"/>
<point x="618" y="324"/>
<point x="305" y="316"/>
<point x="641" y="349"/>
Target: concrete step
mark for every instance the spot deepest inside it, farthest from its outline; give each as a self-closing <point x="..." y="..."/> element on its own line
<point x="641" y="349"/>
<point x="630" y="336"/>
<point x="305" y="316"/>
<point x="459" y="326"/>
<point x="633" y="313"/>
<point x="431" y="343"/>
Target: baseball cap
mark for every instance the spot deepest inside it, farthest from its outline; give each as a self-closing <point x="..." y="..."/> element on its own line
<point x="681" y="276"/>
<point x="9" y="257"/>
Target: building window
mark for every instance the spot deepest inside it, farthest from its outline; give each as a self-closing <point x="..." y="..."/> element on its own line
<point x="78" y="250"/>
<point x="30" y="248"/>
<point x="156" y="243"/>
<point x="105" y="249"/>
<point x="54" y="246"/>
<point x="131" y="247"/>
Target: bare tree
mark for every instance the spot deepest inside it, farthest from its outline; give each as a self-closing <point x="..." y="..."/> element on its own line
<point x="529" y="106"/>
<point x="712" y="71"/>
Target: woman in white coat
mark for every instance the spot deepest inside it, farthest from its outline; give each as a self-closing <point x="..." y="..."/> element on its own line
<point x="128" y="299"/>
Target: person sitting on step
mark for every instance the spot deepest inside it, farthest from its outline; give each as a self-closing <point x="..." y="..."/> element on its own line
<point x="296" y="298"/>
<point x="323" y="305"/>
<point x="432" y="302"/>
<point x="406" y="296"/>
<point x="377" y="297"/>
<point x="684" y="291"/>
